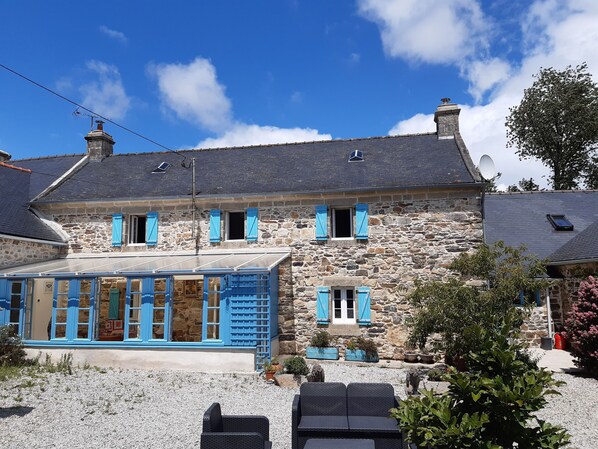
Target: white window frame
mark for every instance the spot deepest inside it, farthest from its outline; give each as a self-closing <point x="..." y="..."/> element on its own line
<point x="227" y="225"/>
<point x="344" y="319"/>
<point x="132" y="224"/>
<point x="351" y="222"/>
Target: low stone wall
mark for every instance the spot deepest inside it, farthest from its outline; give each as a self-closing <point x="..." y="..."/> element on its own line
<point x="17" y="252"/>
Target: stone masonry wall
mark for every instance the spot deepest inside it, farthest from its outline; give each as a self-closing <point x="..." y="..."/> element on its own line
<point x="412" y="235"/>
<point x="17" y="252"/>
<point x="564" y="292"/>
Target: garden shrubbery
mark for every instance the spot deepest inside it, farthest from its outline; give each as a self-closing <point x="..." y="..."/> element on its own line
<point x="581" y="327"/>
<point x="11" y="348"/>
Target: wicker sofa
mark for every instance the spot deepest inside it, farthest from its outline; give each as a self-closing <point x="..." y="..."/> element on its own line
<point x="333" y="410"/>
<point x="234" y="431"/>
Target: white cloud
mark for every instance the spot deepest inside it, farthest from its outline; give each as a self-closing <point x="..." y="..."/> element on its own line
<point x="107" y="95"/>
<point x="484" y="75"/>
<point x="193" y="92"/>
<point x="569" y="34"/>
<point x="242" y="134"/>
<point x="428" y="30"/>
<point x="113" y="34"/>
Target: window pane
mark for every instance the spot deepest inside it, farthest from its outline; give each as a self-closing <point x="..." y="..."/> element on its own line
<point x="342" y="223"/>
<point x="159" y="285"/>
<point x="337" y="294"/>
<point x="14" y="315"/>
<point x="158" y="316"/>
<point x="236" y="225"/>
<point x="213" y="283"/>
<point x="60" y="331"/>
<point x="159" y="300"/>
<point x="136" y="300"/>
<point x="16" y="288"/>
<point x="61" y="316"/>
<point x="82" y="331"/>
<point x="213" y="331"/>
<point x="213" y="299"/>
<point x="84" y="301"/>
<point x="349" y="294"/>
<point x="62" y="302"/>
<point x="63" y="286"/>
<point x="134" y="331"/>
<point x="85" y="286"/>
<point x="158" y="332"/>
<point x="213" y="315"/>
<point x="134" y="315"/>
<point x="83" y="316"/>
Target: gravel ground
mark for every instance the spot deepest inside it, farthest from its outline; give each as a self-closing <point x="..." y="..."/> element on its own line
<point x="163" y="409"/>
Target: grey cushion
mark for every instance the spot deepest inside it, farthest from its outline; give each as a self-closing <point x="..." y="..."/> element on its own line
<point x="370" y="399"/>
<point x="368" y="423"/>
<point x="323" y="398"/>
<point x="323" y="423"/>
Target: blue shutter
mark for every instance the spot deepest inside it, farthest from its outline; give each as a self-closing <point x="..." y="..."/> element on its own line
<point x="321" y="222"/>
<point x="117" y="229"/>
<point x="538" y="299"/>
<point x="322" y="305"/>
<point x="214" y="225"/>
<point x="151" y="229"/>
<point x="114" y="304"/>
<point x="361" y="221"/>
<point x="252" y="224"/>
<point x="363" y="306"/>
<point x="4" y="302"/>
<point x="521" y="298"/>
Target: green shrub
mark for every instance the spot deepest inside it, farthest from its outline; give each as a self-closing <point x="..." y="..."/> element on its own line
<point x="11" y="348"/>
<point x="320" y="340"/>
<point x="296" y="365"/>
<point x="491" y="407"/>
<point x="435" y="374"/>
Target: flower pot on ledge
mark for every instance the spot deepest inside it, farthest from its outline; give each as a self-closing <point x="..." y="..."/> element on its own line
<point x="359" y="355"/>
<point x="312" y="352"/>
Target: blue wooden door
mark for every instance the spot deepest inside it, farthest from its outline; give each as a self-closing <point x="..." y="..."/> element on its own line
<point x="216" y="310"/>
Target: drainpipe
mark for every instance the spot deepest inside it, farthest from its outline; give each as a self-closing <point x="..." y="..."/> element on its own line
<point x="549" y="312"/>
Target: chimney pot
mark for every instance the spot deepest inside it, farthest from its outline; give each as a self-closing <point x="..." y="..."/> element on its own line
<point x="100" y="124"/>
<point x="447" y="119"/>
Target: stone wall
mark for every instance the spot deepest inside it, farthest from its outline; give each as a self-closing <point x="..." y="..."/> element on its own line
<point x="564" y="292"/>
<point x="412" y="235"/>
<point x="17" y="252"/>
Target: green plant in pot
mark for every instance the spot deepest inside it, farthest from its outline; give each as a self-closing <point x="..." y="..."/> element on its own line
<point x="269" y="370"/>
<point x="361" y="350"/>
<point x="320" y="347"/>
<point x="409" y="355"/>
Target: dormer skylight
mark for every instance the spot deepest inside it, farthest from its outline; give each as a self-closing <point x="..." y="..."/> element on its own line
<point x="356" y="156"/>
<point x="161" y="168"/>
<point x="559" y="222"/>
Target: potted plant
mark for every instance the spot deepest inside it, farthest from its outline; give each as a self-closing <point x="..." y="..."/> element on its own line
<point x="425" y="356"/>
<point x="320" y="347"/>
<point x="269" y="370"/>
<point x="276" y="365"/>
<point x="362" y="350"/>
<point x="409" y="355"/>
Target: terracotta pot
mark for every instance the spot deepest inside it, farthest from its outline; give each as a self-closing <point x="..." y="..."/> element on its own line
<point x="270" y="375"/>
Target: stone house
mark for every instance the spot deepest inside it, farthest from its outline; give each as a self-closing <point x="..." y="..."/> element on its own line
<point x="560" y="227"/>
<point x="222" y="258"/>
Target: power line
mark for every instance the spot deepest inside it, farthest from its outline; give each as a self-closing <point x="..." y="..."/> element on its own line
<point x="89" y="110"/>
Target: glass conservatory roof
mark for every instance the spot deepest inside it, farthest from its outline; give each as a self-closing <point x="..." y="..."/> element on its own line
<point x="82" y="265"/>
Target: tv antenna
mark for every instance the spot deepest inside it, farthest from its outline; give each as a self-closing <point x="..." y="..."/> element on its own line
<point x="78" y="113"/>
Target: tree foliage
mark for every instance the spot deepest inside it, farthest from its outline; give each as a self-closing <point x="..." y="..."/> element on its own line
<point x="492" y="406"/>
<point x="525" y="185"/>
<point x="557" y="122"/>
<point x="452" y="308"/>
<point x="581" y="327"/>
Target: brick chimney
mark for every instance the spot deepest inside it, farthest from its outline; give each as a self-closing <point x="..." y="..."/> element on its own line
<point x="99" y="143"/>
<point x="4" y="156"/>
<point x="447" y="119"/>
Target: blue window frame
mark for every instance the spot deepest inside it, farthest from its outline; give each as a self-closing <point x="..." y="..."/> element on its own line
<point x="73" y="309"/>
<point x="216" y="310"/>
<point x="12" y="304"/>
<point x="148" y="309"/>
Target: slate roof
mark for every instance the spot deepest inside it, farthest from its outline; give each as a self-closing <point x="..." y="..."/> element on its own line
<point x="16" y="218"/>
<point x="518" y="218"/>
<point x="46" y="170"/>
<point x="582" y="247"/>
<point x="389" y="162"/>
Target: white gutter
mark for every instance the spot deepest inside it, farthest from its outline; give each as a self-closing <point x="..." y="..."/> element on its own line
<point x="26" y="239"/>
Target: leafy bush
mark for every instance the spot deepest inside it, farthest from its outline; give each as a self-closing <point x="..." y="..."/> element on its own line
<point x="581" y="327"/>
<point x="320" y="340"/>
<point x="491" y="407"/>
<point x="296" y="365"/>
<point x="367" y="345"/>
<point x="11" y="347"/>
<point x="452" y="308"/>
<point x="435" y="374"/>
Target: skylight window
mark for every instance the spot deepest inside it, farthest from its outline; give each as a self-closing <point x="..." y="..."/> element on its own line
<point x="559" y="222"/>
<point x="161" y="168"/>
<point x="356" y="156"/>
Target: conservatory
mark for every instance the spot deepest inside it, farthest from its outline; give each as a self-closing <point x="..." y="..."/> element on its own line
<point x="212" y="302"/>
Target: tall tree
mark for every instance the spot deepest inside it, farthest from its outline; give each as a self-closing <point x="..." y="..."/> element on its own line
<point x="525" y="185"/>
<point x="557" y="122"/>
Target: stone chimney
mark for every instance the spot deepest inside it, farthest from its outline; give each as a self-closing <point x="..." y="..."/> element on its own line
<point x="99" y="143"/>
<point x="4" y="156"/>
<point x="447" y="119"/>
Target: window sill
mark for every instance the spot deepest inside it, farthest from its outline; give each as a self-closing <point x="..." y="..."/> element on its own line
<point x="344" y="330"/>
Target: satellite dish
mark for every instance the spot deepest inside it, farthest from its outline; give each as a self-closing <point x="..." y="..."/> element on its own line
<point x="487" y="168"/>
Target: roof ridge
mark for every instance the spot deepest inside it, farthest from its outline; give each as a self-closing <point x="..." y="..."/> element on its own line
<point x="536" y="192"/>
<point x="14" y="167"/>
<point x="48" y="157"/>
<point x="269" y="145"/>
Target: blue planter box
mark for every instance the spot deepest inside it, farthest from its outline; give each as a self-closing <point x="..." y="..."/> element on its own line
<point x="358" y="355"/>
<point x="321" y="353"/>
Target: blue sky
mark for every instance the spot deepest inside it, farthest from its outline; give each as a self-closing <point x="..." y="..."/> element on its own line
<point x="198" y="74"/>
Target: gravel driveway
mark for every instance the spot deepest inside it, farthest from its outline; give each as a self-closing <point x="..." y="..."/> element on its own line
<point x="163" y="409"/>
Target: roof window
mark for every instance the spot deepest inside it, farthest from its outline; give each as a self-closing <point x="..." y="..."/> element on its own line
<point x="559" y="222"/>
<point x="356" y="156"/>
<point x="161" y="168"/>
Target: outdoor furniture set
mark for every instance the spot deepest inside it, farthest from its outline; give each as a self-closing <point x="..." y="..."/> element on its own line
<point x="324" y="416"/>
